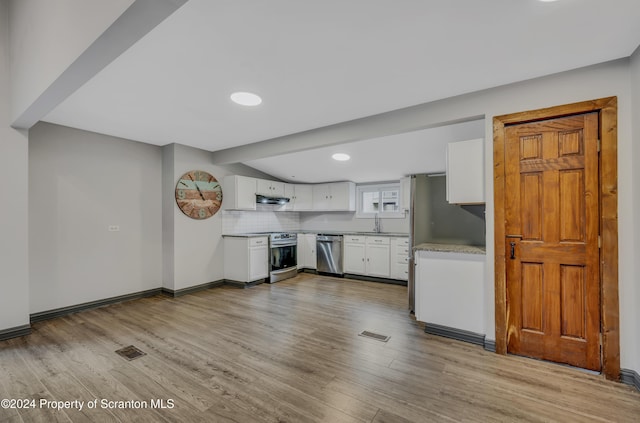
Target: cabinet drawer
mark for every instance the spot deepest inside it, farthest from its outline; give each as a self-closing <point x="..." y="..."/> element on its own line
<point x="377" y="240"/>
<point x="354" y="239"/>
<point x="257" y="242"/>
<point x="402" y="259"/>
<point x="402" y="271"/>
<point x="402" y="242"/>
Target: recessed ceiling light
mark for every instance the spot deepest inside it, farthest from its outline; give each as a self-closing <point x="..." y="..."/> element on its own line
<point x="245" y="98"/>
<point x="341" y="157"/>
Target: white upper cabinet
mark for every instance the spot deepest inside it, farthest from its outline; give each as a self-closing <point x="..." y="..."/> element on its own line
<point x="239" y="193"/>
<point x="302" y="197"/>
<point x="270" y="188"/>
<point x="336" y="196"/>
<point x="465" y="172"/>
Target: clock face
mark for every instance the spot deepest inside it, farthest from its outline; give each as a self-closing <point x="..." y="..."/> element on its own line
<point x="198" y="194"/>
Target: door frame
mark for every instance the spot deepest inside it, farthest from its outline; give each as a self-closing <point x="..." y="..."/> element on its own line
<point x="607" y="109"/>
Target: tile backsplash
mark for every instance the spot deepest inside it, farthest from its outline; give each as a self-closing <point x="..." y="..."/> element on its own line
<point x="264" y="219"/>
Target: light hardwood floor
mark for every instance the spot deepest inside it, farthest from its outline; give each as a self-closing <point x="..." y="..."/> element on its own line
<point x="289" y="352"/>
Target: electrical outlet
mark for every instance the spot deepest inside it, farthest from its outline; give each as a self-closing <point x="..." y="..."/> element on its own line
<point x="114" y="228"/>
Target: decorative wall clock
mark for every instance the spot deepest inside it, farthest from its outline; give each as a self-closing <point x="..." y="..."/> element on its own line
<point x="198" y="194"/>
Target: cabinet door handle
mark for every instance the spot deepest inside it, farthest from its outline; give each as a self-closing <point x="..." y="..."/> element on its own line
<point x="513" y="250"/>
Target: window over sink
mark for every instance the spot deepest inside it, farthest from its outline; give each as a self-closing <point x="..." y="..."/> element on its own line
<point x="382" y="199"/>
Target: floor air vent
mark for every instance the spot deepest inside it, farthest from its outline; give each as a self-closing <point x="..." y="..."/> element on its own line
<point x="374" y="335"/>
<point x="130" y="352"/>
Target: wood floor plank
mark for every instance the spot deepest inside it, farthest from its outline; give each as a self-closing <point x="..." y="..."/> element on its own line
<point x="290" y="352"/>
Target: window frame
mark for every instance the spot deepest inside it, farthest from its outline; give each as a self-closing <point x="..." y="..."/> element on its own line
<point x="379" y="187"/>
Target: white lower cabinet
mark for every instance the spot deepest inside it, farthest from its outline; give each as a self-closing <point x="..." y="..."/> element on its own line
<point x="449" y="290"/>
<point x="246" y="259"/>
<point x="307" y="257"/>
<point x="354" y="255"/>
<point x="367" y="255"/>
<point x="400" y="258"/>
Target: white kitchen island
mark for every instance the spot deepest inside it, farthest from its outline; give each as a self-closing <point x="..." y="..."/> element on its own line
<point x="449" y="292"/>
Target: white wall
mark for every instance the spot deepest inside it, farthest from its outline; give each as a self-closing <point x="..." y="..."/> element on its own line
<point x="197" y="245"/>
<point x="80" y="183"/>
<point x="47" y="36"/>
<point x="14" y="276"/>
<point x="634" y="300"/>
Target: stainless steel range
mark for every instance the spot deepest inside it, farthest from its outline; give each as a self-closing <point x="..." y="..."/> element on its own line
<point x="283" y="256"/>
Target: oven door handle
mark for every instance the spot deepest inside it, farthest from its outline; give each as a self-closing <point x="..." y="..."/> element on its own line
<point x="283" y="245"/>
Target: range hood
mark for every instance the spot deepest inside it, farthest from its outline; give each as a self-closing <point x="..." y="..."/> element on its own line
<point x="263" y="199"/>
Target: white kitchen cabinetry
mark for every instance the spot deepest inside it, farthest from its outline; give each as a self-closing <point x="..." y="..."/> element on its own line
<point x="239" y="193"/>
<point x="336" y="196"/>
<point x="300" y="197"/>
<point x="400" y="258"/>
<point x="307" y="257"/>
<point x="246" y="259"/>
<point x="367" y="255"/>
<point x="465" y="172"/>
<point x="378" y="257"/>
<point x="270" y="188"/>
<point x="449" y="290"/>
<point x="354" y="255"/>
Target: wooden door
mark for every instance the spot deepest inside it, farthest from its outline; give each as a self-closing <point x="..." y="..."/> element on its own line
<point x="552" y="227"/>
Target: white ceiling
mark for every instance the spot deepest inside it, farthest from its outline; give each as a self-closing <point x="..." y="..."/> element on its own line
<point x="323" y="62"/>
<point x="372" y="160"/>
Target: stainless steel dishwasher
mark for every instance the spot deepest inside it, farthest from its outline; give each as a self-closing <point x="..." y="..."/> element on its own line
<point x="329" y="254"/>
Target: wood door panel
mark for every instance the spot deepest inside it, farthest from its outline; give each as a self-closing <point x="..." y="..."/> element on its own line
<point x="570" y="143"/>
<point x="572" y="301"/>
<point x="572" y="205"/>
<point x="551" y="217"/>
<point x="531" y="147"/>
<point x="531" y="296"/>
<point x="531" y="194"/>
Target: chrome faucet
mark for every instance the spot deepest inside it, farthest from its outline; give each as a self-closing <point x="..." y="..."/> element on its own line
<point x="376" y="224"/>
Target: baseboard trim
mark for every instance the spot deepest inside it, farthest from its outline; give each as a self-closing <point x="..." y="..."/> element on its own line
<point x="15" y="332"/>
<point x="192" y="289"/>
<point x="243" y="285"/>
<point x="63" y="311"/>
<point x="374" y="279"/>
<point x="630" y="377"/>
<point x="490" y="345"/>
<point x="457" y="334"/>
